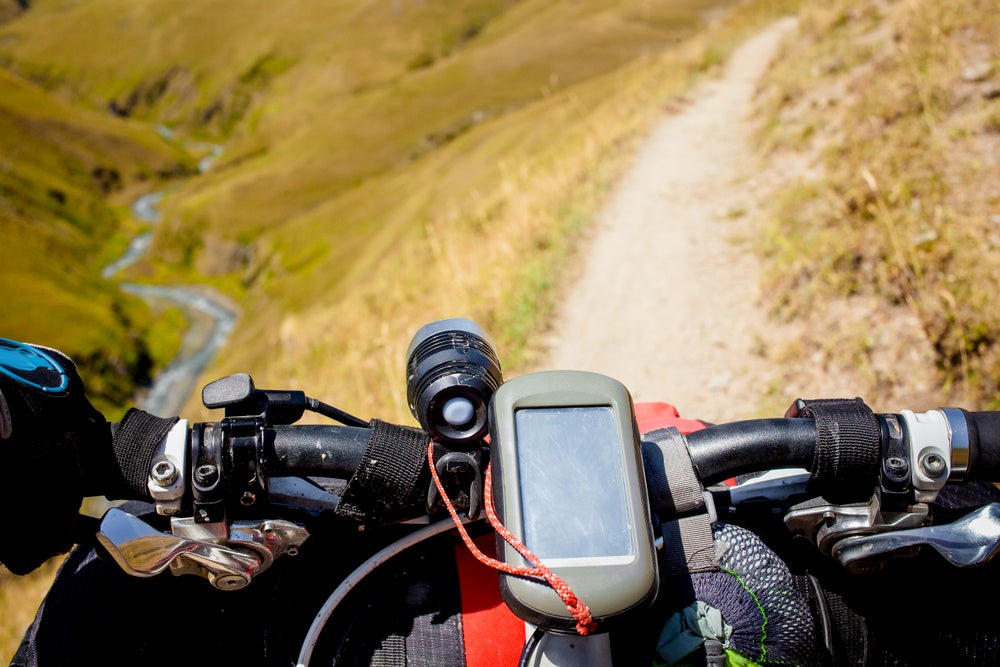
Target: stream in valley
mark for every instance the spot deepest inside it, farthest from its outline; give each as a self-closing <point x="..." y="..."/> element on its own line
<point x="210" y="317"/>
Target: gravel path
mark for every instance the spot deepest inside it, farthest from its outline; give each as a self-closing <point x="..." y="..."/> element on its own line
<point x="667" y="300"/>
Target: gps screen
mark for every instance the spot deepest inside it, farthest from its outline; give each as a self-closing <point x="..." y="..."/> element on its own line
<point x="572" y="485"/>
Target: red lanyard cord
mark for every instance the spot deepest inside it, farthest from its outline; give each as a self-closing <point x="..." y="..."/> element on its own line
<point x="584" y="620"/>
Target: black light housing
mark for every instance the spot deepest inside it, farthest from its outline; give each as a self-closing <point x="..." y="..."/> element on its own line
<point x="452" y="370"/>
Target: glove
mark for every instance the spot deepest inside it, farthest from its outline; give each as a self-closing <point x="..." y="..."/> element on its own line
<point x="750" y="611"/>
<point x="47" y="426"/>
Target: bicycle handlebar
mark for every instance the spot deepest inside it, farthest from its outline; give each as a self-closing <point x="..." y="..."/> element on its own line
<point x="968" y="441"/>
<point x="983" y="436"/>
<point x="728" y="450"/>
<point x="243" y="469"/>
<point x="321" y="450"/>
<point x="718" y="452"/>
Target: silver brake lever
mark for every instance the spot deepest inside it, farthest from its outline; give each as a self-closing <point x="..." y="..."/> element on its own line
<point x="968" y="542"/>
<point x="143" y="551"/>
<point x="247" y="550"/>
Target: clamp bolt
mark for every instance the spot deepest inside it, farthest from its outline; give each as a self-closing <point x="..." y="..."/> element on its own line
<point x="896" y="465"/>
<point x="163" y="473"/>
<point x="932" y="464"/>
<point x="206" y="475"/>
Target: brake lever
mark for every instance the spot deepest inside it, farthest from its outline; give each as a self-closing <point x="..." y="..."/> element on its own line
<point x="228" y="564"/>
<point x="970" y="541"/>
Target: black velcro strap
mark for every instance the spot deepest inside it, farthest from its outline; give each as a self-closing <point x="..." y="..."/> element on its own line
<point x="848" y="448"/>
<point x="678" y="498"/>
<point x="392" y="475"/>
<point x="673" y="487"/>
<point x="135" y="442"/>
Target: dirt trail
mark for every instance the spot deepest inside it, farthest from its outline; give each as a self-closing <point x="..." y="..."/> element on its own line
<point x="667" y="300"/>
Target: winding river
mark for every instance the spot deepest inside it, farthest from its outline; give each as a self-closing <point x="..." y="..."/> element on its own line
<point x="211" y="317"/>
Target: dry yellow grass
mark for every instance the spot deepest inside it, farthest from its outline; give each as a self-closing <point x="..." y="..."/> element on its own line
<point x="19" y="598"/>
<point x="498" y="212"/>
<point x="892" y="107"/>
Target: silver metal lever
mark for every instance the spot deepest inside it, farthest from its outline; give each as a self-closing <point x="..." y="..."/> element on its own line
<point x="968" y="542"/>
<point x="143" y="551"/>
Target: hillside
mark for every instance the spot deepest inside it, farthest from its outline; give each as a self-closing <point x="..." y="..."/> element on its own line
<point x="366" y="143"/>
<point x="359" y="138"/>
<point x="854" y="248"/>
<point x="63" y="176"/>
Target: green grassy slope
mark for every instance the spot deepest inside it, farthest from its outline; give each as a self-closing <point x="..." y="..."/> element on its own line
<point x="322" y="95"/>
<point x="60" y="172"/>
<point x="316" y="139"/>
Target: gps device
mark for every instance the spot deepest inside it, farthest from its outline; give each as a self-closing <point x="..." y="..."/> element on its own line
<point x="568" y="482"/>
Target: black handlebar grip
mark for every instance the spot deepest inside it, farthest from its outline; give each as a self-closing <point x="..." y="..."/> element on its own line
<point x="728" y="450"/>
<point x="984" y="445"/>
<point x="321" y="450"/>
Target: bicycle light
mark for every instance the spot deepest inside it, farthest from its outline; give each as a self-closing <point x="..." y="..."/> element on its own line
<point x="452" y="371"/>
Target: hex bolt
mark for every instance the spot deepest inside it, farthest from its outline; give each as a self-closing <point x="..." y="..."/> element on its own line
<point x="164" y="473"/>
<point x="932" y="464"/>
<point x="206" y="475"/>
<point x="248" y="498"/>
<point x="896" y="465"/>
